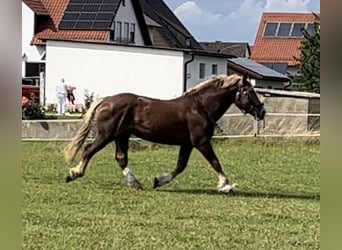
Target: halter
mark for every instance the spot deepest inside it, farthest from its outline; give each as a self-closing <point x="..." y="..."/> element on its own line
<point x="238" y="96"/>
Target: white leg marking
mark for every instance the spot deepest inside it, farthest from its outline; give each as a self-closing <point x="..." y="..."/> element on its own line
<point x="222" y="181"/>
<point x="129" y="175"/>
<point x="227" y="188"/>
<point x="76" y="170"/>
<point x="223" y="186"/>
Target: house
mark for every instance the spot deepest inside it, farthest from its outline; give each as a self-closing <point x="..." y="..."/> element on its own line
<point x="236" y="49"/>
<point x="260" y="75"/>
<point x="278" y="40"/>
<point x="112" y="46"/>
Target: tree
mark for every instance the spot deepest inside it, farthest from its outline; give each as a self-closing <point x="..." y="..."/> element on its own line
<point x="308" y="77"/>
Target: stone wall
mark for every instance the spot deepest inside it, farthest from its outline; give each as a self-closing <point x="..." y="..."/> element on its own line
<point x="286" y="115"/>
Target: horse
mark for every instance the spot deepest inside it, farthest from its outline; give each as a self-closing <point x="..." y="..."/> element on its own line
<point x="187" y="121"/>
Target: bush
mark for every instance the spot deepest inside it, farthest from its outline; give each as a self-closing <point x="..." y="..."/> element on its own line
<point x="32" y="110"/>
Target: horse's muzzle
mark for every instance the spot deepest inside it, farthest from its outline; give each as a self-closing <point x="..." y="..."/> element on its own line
<point x="259" y="113"/>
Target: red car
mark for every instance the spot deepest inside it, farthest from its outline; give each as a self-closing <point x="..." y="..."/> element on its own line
<point x="30" y="88"/>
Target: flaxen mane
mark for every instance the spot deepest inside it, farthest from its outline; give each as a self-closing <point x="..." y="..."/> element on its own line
<point x="225" y="81"/>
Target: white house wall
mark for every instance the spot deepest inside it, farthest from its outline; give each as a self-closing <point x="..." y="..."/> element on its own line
<point x="110" y="69"/>
<point x="33" y="54"/>
<point x="126" y="14"/>
<point x="193" y="68"/>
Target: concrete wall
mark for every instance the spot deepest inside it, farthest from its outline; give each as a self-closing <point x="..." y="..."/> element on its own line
<point x="291" y="114"/>
<point x="286" y="116"/>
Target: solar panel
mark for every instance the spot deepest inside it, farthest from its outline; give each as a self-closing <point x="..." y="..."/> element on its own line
<point x="71" y="16"/>
<point x="67" y="25"/>
<point x="108" y="7"/>
<point x="101" y="25"/>
<point x="271" y="29"/>
<point x="74" y="7"/>
<point x="92" y="1"/>
<point x="91" y="7"/>
<point x="89" y="14"/>
<point x="284" y="29"/>
<point x="297" y="29"/>
<point x="104" y="16"/>
<point x="76" y="1"/>
<point x="83" y="25"/>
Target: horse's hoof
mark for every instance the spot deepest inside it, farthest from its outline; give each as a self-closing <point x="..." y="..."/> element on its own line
<point x="228" y="189"/>
<point x="136" y="185"/>
<point x="68" y="179"/>
<point x="155" y="183"/>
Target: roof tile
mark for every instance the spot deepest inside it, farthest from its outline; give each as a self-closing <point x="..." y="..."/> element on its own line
<point x="283" y="50"/>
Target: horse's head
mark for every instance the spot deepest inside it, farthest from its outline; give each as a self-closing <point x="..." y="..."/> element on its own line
<point x="248" y="101"/>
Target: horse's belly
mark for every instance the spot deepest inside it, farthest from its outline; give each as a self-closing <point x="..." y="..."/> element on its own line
<point x="171" y="136"/>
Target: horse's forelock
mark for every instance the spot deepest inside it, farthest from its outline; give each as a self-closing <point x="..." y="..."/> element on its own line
<point x="231" y="80"/>
<point x="222" y="81"/>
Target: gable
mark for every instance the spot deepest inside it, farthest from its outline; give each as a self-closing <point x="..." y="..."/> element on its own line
<point x="279" y="37"/>
<point x="85" y="20"/>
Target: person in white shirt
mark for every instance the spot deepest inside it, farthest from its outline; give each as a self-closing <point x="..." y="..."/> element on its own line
<point x="61" y="93"/>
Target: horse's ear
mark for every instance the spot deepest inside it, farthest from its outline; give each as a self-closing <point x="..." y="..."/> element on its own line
<point x="220" y="82"/>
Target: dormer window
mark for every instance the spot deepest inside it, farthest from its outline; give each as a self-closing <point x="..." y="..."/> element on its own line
<point x="132" y="33"/>
<point x="124" y="32"/>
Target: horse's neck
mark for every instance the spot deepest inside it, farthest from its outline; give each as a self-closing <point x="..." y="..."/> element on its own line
<point x="217" y="104"/>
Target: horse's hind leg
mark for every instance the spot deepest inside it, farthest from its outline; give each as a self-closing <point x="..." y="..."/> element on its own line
<point x="121" y="156"/>
<point x="223" y="183"/>
<point x="183" y="157"/>
<point x="89" y="151"/>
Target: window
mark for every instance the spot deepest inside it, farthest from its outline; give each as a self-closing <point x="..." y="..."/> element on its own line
<point x="118" y="31"/>
<point x="271" y="29"/>
<point x="201" y="70"/>
<point x="310" y="28"/>
<point x="214" y="69"/>
<point x="125" y="32"/>
<point x="284" y="29"/>
<point x="132" y="33"/>
<point x="112" y="32"/>
<point x="297" y="29"/>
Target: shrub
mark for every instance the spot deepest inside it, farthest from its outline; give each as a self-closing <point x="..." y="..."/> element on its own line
<point x="32" y="109"/>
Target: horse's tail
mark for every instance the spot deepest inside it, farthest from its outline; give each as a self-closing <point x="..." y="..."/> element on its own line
<point x="76" y="143"/>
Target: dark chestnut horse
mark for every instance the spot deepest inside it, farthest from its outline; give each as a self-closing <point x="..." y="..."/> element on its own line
<point x="187" y="121"/>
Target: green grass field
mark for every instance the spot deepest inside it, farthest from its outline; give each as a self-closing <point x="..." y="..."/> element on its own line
<point x="277" y="205"/>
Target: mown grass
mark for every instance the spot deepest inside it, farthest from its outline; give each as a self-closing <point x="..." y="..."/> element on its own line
<point x="277" y="205"/>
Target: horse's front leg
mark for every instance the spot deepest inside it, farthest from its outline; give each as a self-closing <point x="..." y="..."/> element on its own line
<point x="223" y="183"/>
<point x="183" y="157"/>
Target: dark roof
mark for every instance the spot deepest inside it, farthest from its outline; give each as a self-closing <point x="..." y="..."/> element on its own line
<point x="256" y="70"/>
<point x="172" y="32"/>
<point x="279" y="67"/>
<point x="237" y="49"/>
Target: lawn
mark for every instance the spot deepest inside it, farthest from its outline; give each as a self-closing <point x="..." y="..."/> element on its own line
<point x="277" y="205"/>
